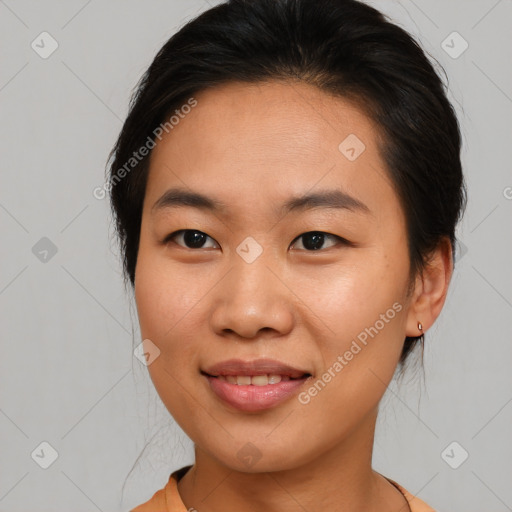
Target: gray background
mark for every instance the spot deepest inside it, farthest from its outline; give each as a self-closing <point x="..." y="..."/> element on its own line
<point x="67" y="373"/>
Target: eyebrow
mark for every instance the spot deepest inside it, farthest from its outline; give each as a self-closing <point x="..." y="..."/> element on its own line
<point x="179" y="197"/>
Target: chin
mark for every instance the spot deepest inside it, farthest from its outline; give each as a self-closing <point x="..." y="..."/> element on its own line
<point x="252" y="457"/>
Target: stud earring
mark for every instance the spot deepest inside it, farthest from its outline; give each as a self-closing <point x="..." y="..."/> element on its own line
<point x="420" y="327"/>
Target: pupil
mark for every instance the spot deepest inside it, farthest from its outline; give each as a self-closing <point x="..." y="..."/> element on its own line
<point x="194" y="238"/>
<point x="316" y="240"/>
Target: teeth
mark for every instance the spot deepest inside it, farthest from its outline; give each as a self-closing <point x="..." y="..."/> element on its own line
<point x="256" y="380"/>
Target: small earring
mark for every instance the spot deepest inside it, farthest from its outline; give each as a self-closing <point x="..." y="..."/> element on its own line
<point x="420" y="327"/>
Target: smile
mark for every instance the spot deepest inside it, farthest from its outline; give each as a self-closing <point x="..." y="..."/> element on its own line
<point x="254" y="380"/>
<point x="255" y="393"/>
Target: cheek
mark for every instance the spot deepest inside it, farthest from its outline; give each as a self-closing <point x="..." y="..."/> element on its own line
<point x="170" y="315"/>
<point x="363" y="314"/>
<point x="153" y="297"/>
<point x="358" y="362"/>
<point x="165" y="295"/>
<point x="351" y="296"/>
<point x="165" y="301"/>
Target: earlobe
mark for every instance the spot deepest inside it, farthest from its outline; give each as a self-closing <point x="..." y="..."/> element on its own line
<point x="430" y="291"/>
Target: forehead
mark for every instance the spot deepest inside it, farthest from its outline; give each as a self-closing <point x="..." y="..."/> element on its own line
<point x="262" y="120"/>
<point x="270" y="141"/>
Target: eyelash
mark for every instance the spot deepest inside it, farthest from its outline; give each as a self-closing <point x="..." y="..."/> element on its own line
<point x="341" y="240"/>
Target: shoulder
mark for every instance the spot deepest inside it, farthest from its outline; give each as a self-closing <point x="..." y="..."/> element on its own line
<point x="415" y="503"/>
<point x="157" y="503"/>
<point x="166" y="499"/>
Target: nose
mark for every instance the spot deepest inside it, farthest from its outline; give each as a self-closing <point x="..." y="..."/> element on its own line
<point x="252" y="299"/>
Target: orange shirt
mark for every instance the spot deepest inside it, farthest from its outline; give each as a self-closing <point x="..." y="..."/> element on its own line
<point x="168" y="499"/>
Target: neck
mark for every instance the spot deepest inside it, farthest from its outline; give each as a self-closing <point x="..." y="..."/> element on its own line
<point x="339" y="479"/>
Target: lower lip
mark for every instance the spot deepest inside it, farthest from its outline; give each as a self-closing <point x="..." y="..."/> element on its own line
<point x="255" y="398"/>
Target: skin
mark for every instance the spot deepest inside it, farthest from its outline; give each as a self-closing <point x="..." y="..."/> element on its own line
<point x="253" y="147"/>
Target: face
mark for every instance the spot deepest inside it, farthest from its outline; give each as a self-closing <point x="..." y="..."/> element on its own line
<point x="319" y="286"/>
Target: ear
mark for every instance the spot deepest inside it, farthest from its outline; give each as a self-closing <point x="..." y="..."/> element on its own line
<point x="430" y="289"/>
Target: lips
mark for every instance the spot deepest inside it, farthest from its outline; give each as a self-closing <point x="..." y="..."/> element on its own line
<point x="238" y="367"/>
<point x="257" y="385"/>
<point x="254" y="380"/>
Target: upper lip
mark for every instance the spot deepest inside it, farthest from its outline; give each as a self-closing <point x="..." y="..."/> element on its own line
<point x="254" y="367"/>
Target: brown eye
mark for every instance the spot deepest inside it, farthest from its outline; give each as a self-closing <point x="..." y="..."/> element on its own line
<point x="314" y="240"/>
<point x="190" y="238"/>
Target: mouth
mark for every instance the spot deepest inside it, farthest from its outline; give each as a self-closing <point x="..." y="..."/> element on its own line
<point x="254" y="368"/>
<point x="255" y="385"/>
<point x="256" y="380"/>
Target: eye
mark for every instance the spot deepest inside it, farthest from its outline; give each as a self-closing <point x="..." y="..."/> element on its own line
<point x="191" y="238"/>
<point x="195" y="239"/>
<point x="313" y="240"/>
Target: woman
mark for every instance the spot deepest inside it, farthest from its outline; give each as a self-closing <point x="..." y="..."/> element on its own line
<point x="286" y="189"/>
